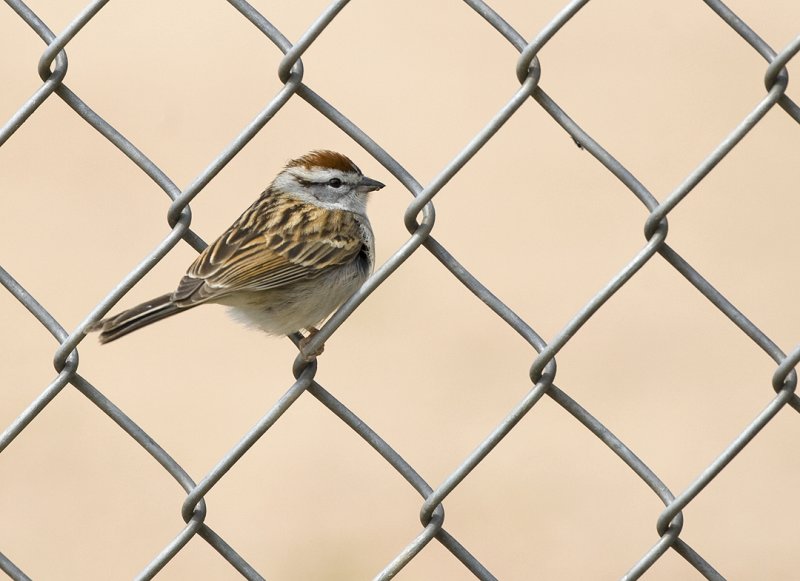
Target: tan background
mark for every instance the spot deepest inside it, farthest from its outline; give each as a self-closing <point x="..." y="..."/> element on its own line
<point x="422" y="361"/>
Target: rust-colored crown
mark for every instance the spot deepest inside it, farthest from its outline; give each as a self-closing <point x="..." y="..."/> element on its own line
<point x="324" y="158"/>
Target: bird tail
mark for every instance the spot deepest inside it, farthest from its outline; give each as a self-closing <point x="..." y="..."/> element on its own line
<point x="140" y="316"/>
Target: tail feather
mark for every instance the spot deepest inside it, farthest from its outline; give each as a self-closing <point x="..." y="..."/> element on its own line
<point x="139" y="316"/>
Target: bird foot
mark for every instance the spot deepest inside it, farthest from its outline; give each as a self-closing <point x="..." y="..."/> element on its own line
<point x="308" y="357"/>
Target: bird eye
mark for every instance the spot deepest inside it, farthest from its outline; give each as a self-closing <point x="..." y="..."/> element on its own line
<point x="335" y="182"/>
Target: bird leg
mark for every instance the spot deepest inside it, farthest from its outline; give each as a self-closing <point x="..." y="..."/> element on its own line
<point x="309" y="357"/>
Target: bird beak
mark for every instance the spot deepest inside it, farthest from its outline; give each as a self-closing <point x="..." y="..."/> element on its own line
<point x="369" y="185"/>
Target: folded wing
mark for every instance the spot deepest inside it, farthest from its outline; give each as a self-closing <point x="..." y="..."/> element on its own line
<point x="302" y="241"/>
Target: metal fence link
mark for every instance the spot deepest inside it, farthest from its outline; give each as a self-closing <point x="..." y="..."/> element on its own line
<point x="419" y="220"/>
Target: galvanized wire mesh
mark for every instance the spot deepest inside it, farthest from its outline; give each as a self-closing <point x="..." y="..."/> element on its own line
<point x="419" y="220"/>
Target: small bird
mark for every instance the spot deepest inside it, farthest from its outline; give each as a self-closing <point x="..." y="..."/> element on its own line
<point x="293" y="257"/>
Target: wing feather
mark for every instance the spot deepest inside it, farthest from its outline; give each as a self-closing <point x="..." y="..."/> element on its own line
<point x="276" y="242"/>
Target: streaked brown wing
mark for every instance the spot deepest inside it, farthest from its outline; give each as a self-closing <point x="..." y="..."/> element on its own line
<point x="273" y="244"/>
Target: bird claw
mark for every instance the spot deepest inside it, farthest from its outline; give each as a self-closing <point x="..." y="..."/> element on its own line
<point x="308" y="357"/>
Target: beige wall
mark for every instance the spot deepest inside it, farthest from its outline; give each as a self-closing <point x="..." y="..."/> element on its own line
<point x="423" y="362"/>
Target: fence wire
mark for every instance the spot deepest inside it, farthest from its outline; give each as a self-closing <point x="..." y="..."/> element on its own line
<point x="419" y="219"/>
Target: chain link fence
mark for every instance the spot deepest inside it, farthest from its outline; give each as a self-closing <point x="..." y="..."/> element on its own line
<point x="419" y="220"/>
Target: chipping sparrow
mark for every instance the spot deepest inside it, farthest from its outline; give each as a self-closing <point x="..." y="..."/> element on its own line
<point x="288" y="262"/>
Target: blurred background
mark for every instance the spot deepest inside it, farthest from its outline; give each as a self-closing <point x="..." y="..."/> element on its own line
<point x="422" y="361"/>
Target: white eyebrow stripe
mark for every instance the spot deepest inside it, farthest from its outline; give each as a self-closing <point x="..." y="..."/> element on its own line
<point x="321" y="174"/>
